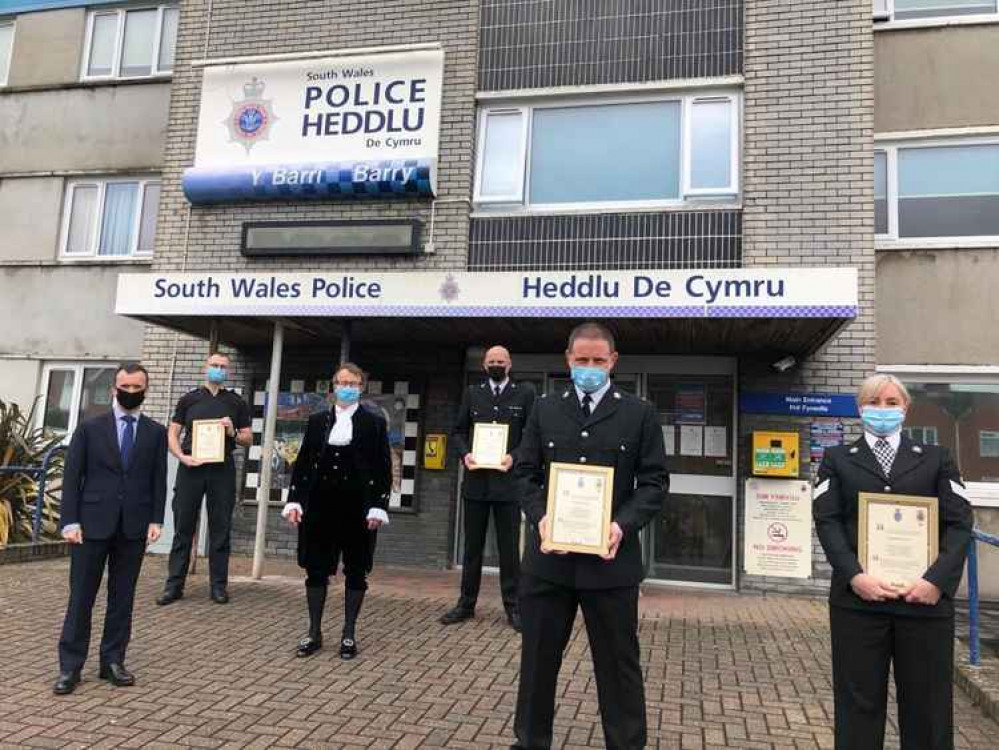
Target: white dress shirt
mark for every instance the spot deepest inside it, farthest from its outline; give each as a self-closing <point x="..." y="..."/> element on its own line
<point x="595" y="397"/>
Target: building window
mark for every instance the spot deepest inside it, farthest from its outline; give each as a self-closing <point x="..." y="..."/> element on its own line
<point x="130" y="43"/>
<point x="963" y="416"/>
<point x="937" y="191"/>
<point x="110" y="218"/>
<point x="924" y="435"/>
<point x="626" y="153"/>
<point x="73" y="392"/>
<point x="6" y="48"/>
<point x="914" y="10"/>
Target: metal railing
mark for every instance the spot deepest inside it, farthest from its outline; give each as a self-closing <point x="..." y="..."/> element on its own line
<point x="974" y="646"/>
<point x="41" y="473"/>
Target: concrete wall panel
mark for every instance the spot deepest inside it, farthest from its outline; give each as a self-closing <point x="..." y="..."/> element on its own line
<point x="48" y="47"/>
<point x="30" y="211"/>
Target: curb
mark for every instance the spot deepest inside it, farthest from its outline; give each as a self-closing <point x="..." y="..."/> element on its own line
<point x="980" y="683"/>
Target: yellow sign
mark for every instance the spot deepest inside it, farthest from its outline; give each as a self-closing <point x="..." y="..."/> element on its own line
<point x="775" y="454"/>
<point x="434" y="451"/>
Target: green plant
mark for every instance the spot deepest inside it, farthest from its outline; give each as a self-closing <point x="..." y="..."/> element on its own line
<point x="22" y="444"/>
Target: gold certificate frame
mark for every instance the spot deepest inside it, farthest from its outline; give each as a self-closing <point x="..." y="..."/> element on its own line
<point x="579" y="508"/>
<point x="208" y="440"/>
<point x="489" y="441"/>
<point x="898" y="536"/>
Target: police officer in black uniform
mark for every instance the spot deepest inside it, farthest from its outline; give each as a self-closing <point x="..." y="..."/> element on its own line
<point x="874" y="625"/>
<point x="195" y="480"/>
<point x="592" y="423"/>
<point x="501" y="400"/>
<point x="339" y="497"/>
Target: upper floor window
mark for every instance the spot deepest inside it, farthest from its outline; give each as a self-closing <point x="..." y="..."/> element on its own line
<point x="911" y="10"/>
<point x="630" y="152"/>
<point x="6" y="46"/>
<point x="111" y="218"/>
<point x="130" y="42"/>
<point x="943" y="190"/>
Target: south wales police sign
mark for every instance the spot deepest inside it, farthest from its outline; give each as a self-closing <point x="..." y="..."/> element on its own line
<point x="337" y="127"/>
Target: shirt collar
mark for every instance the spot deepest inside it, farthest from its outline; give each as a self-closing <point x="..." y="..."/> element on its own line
<point x="119" y="412"/>
<point x="346" y="411"/>
<point x="596" y="396"/>
<point x="894" y="440"/>
<point x="502" y="386"/>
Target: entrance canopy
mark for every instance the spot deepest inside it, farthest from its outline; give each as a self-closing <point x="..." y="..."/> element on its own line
<point x="766" y="311"/>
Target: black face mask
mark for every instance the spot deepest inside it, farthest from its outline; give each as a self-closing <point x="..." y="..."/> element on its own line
<point x="497" y="373"/>
<point x="128" y="400"/>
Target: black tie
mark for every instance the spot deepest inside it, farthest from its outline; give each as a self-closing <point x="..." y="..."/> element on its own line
<point x="587" y="404"/>
<point x="498" y="391"/>
<point x="885" y="455"/>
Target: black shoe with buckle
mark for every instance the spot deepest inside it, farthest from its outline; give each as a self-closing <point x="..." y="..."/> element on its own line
<point x="456" y="615"/>
<point x="220" y="596"/>
<point x="308" y="646"/>
<point x="348" y="649"/>
<point x="169" y="597"/>
<point x="116" y="674"/>
<point x="66" y="683"/>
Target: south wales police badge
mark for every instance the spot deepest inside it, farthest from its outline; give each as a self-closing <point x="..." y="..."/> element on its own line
<point x="251" y="118"/>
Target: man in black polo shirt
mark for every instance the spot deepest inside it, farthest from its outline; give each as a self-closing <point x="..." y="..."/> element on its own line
<point x="195" y="480"/>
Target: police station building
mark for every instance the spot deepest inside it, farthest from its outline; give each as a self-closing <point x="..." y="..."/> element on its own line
<point x="406" y="184"/>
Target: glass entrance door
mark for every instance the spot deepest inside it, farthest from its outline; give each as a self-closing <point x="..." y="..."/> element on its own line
<point x="692" y="540"/>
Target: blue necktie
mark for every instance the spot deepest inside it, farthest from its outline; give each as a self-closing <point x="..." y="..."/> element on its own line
<point x="127" y="440"/>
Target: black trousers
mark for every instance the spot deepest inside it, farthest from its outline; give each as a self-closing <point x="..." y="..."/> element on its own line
<point x="547" y="612"/>
<point x="506" y="521"/>
<point x="216" y="483"/>
<point x="921" y="649"/>
<point x="123" y="558"/>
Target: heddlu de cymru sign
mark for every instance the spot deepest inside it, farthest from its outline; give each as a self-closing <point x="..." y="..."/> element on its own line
<point x="738" y="293"/>
<point x="334" y="127"/>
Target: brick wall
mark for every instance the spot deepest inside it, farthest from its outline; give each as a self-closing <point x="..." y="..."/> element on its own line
<point x="808" y="189"/>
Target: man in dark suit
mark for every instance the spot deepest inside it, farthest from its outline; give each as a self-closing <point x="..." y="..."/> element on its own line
<point x="497" y="400"/>
<point x="592" y="423"/>
<point x="339" y="497"/>
<point x="113" y="495"/>
<point x="874" y="625"/>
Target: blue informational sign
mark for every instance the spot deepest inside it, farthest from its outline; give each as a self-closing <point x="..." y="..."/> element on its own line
<point x="798" y="404"/>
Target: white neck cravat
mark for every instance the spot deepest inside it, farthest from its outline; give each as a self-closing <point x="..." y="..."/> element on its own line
<point x="343" y="429"/>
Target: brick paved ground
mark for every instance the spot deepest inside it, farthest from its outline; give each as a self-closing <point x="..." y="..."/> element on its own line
<point x="722" y="672"/>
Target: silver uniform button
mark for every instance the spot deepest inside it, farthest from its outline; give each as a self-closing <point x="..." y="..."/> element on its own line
<point x="551" y="444"/>
<point x="584" y="433"/>
<point x="582" y="459"/>
<point x="887" y="488"/>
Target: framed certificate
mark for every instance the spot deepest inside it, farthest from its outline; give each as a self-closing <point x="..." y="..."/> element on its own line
<point x="489" y="445"/>
<point x="208" y="440"/>
<point x="579" y="508"/>
<point x="898" y="536"/>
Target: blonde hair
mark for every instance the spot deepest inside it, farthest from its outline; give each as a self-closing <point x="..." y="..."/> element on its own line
<point x="873" y="385"/>
<point x="353" y="370"/>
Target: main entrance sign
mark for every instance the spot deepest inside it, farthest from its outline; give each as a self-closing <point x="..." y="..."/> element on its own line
<point x="337" y="127"/>
<point x="741" y="293"/>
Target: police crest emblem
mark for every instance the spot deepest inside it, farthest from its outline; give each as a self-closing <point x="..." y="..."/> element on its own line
<point x="252" y="117"/>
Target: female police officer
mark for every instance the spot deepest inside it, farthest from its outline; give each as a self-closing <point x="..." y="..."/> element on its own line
<point x="872" y="623"/>
<point x="339" y="494"/>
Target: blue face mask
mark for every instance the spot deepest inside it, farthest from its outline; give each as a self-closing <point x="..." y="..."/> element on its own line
<point x="216" y="374"/>
<point x="882" y="421"/>
<point x="589" y="379"/>
<point x="347" y="394"/>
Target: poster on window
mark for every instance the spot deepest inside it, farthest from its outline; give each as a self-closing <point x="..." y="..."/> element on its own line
<point x="778" y="533"/>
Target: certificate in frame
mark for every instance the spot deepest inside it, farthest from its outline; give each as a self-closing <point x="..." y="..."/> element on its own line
<point x="898" y="536"/>
<point x="579" y="508"/>
<point x="489" y="441"/>
<point x="208" y="441"/>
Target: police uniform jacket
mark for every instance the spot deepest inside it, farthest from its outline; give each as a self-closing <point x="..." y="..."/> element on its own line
<point x="622" y="432"/>
<point x="368" y="480"/>
<point x="480" y="404"/>
<point x="926" y="470"/>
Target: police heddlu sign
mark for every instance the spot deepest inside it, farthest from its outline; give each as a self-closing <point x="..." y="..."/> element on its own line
<point x="336" y="127"/>
<point x="742" y="293"/>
